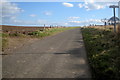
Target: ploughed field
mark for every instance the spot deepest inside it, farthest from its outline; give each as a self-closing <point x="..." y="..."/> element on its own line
<point x="21" y="29"/>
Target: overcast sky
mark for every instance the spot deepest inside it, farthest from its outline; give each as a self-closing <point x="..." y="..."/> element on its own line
<point x="55" y="13"/>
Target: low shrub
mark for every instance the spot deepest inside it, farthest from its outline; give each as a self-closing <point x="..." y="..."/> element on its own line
<point x="16" y="35"/>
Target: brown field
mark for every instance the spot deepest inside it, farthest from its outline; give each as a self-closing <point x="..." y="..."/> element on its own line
<point x="21" y="29"/>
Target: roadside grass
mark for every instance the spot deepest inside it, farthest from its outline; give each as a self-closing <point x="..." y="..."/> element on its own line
<point x="49" y="32"/>
<point x="103" y="50"/>
<point x="15" y="35"/>
<point x="35" y="34"/>
<point x="4" y="43"/>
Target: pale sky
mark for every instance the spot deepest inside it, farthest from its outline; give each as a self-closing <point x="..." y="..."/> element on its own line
<point x="56" y="13"/>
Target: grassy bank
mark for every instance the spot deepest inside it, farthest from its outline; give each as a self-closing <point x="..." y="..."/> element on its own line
<point x="16" y="38"/>
<point x="103" y="49"/>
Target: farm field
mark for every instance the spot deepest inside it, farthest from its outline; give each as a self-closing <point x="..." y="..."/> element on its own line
<point x="103" y="50"/>
<point x="16" y="36"/>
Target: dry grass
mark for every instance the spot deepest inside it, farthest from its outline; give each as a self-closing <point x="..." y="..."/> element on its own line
<point x="118" y="28"/>
<point x="108" y="27"/>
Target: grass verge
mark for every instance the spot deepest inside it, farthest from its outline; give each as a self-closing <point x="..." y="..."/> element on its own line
<point x="49" y="32"/>
<point x="103" y="49"/>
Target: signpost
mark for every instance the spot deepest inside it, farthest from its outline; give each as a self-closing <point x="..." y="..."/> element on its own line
<point x="114" y="6"/>
<point x="119" y="9"/>
<point x="119" y="17"/>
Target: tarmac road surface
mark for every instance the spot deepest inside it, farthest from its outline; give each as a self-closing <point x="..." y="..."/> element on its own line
<point x="59" y="56"/>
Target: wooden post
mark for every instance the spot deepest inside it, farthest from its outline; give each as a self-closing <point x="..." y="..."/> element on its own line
<point x="113" y="6"/>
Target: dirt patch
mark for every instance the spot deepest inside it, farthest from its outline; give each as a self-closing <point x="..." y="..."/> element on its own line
<point x="17" y="42"/>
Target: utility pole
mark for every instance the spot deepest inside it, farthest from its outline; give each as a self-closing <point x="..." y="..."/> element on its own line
<point x="114" y="6"/>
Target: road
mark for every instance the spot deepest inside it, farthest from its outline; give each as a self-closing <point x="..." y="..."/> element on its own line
<point x="59" y="56"/>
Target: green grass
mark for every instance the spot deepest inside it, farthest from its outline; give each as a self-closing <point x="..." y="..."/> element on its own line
<point x="49" y="32"/>
<point x="4" y="43"/>
<point x="103" y="49"/>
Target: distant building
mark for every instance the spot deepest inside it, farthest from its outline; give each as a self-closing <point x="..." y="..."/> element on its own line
<point x="111" y="20"/>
